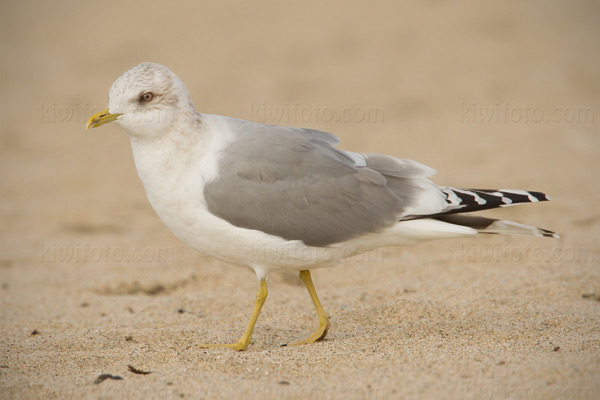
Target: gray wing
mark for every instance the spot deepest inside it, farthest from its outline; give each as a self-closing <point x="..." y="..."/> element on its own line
<point x="293" y="183"/>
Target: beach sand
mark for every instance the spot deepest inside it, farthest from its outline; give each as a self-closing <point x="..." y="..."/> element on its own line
<point x="504" y="95"/>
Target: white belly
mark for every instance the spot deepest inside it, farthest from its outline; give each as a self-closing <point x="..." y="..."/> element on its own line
<point x="178" y="199"/>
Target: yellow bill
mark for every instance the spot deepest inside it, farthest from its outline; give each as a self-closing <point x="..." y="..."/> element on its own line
<point x="101" y="118"/>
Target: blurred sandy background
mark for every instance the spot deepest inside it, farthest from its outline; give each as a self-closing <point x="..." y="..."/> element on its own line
<point x="503" y="94"/>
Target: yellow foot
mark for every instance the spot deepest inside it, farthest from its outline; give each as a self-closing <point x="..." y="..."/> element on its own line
<point x="317" y="335"/>
<point x="235" y="346"/>
<point x="244" y="341"/>
<point x="324" y="325"/>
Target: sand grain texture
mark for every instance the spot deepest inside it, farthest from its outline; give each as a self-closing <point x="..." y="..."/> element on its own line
<point x="85" y="262"/>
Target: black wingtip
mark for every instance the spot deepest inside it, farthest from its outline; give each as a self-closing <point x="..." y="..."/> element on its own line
<point x="539" y="195"/>
<point x="468" y="200"/>
<point x="547" y="233"/>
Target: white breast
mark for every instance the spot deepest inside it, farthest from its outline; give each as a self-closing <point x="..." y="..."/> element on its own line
<point x="174" y="173"/>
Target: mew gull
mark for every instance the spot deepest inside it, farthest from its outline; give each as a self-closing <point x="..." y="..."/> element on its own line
<point x="279" y="198"/>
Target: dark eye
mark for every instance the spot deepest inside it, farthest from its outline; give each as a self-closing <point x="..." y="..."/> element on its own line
<point x="146" y="97"/>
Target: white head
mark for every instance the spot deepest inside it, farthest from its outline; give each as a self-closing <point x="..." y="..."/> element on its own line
<point x="146" y="101"/>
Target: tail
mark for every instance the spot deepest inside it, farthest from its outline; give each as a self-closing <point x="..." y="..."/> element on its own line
<point x="495" y="226"/>
<point x="468" y="200"/>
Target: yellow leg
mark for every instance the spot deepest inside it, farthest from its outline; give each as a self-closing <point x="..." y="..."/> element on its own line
<point x="242" y="344"/>
<point x="324" y="325"/>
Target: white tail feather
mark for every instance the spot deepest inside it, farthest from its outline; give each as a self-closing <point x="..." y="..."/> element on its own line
<point x="514" y="228"/>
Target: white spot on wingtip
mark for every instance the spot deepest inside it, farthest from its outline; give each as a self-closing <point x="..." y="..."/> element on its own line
<point x="530" y="197"/>
<point x="478" y="199"/>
